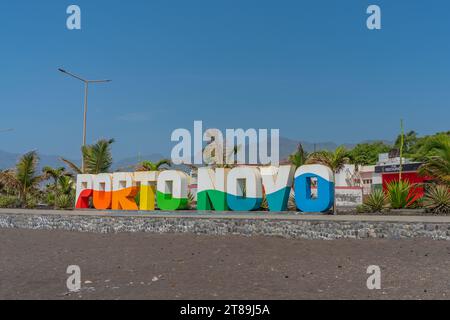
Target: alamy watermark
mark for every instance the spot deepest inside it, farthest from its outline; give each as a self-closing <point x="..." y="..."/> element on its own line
<point x="374" y="281"/>
<point x="237" y="146"/>
<point x="73" y="282"/>
<point x="73" y="21"/>
<point x="374" y="20"/>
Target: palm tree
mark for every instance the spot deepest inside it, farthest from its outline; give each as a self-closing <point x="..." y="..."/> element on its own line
<point x="226" y="153"/>
<point x="23" y="177"/>
<point x="65" y="184"/>
<point x="153" y="166"/>
<point x="55" y="174"/>
<point x="97" y="158"/>
<point x="334" y="160"/>
<point x="299" y="157"/>
<point x="437" y="164"/>
<point x="409" y="140"/>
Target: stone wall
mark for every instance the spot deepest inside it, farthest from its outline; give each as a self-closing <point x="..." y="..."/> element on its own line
<point x="289" y="228"/>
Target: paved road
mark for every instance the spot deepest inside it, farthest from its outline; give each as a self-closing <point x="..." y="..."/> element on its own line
<point x="181" y="266"/>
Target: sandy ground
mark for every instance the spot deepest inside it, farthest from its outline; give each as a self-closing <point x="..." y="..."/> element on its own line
<point x="182" y="266"/>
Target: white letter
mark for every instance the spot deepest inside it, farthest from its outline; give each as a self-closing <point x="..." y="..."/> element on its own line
<point x="374" y="21"/>
<point x="213" y="152"/>
<point x="240" y="136"/>
<point x="274" y="158"/>
<point x="374" y="281"/>
<point x="74" y="20"/>
<point x="181" y="153"/>
<point x="198" y="142"/>
<point x="74" y="281"/>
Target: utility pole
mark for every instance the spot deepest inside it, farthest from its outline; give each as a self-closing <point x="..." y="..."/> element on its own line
<point x="86" y="85"/>
<point x="402" y="138"/>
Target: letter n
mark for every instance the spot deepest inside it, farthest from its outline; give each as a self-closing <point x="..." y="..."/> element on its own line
<point x="211" y="189"/>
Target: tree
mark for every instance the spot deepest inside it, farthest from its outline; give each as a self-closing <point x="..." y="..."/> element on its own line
<point x="55" y="174"/>
<point x="299" y="157"/>
<point x="437" y="163"/>
<point x="367" y="153"/>
<point x="227" y="153"/>
<point x="97" y="158"/>
<point x="409" y="142"/>
<point x="23" y="177"/>
<point x="153" y="166"/>
<point x="421" y="150"/>
<point x="334" y="160"/>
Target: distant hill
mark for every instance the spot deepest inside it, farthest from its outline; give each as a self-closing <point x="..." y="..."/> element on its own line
<point x="287" y="147"/>
<point x="130" y="162"/>
<point x="9" y="160"/>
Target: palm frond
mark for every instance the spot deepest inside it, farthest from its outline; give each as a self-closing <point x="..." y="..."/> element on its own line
<point x="163" y="162"/>
<point x="76" y="169"/>
<point x="9" y="179"/>
<point x="26" y="168"/>
<point x="97" y="157"/>
<point x="437" y="164"/>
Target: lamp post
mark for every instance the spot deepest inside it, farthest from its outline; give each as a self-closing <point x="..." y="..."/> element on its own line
<point x="86" y="88"/>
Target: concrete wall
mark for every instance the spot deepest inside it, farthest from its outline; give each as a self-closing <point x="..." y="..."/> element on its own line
<point x="348" y="196"/>
<point x="302" y="227"/>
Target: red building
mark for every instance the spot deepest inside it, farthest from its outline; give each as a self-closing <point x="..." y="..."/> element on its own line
<point x="391" y="172"/>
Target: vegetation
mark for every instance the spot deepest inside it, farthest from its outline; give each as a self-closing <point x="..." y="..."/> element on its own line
<point x="299" y="157"/>
<point x="437" y="199"/>
<point x="62" y="184"/>
<point x="23" y="179"/>
<point x="191" y="204"/>
<point x="9" y="201"/>
<point x="65" y="193"/>
<point x="417" y="148"/>
<point x="375" y="202"/>
<point x="410" y="141"/>
<point x="414" y="147"/>
<point x="152" y="166"/>
<point x="22" y="186"/>
<point x="54" y="173"/>
<point x="64" y="201"/>
<point x="367" y="153"/>
<point x="437" y="162"/>
<point x="399" y="194"/>
<point x="334" y="160"/>
<point x="227" y="153"/>
<point x="291" y="205"/>
<point x="97" y="158"/>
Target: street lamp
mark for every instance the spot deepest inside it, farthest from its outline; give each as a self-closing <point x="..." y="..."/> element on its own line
<point x="86" y="86"/>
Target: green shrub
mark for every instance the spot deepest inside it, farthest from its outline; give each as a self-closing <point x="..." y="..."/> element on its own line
<point x="137" y="197"/>
<point x="50" y="199"/>
<point x="291" y="205"/>
<point x="375" y="202"/>
<point x="31" y="202"/>
<point x="361" y="209"/>
<point x="437" y="200"/>
<point x="9" y="201"/>
<point x="399" y="194"/>
<point x="191" y="201"/>
<point x="64" y="201"/>
<point x="264" y="204"/>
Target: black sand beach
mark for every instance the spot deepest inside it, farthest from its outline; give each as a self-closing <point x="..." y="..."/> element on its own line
<point x="182" y="266"/>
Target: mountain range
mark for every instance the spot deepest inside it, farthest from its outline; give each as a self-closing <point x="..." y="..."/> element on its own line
<point x="287" y="147"/>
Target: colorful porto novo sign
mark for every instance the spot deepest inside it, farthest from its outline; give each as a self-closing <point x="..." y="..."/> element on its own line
<point x="237" y="189"/>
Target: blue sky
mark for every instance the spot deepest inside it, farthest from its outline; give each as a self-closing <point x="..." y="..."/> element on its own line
<point x="310" y="68"/>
